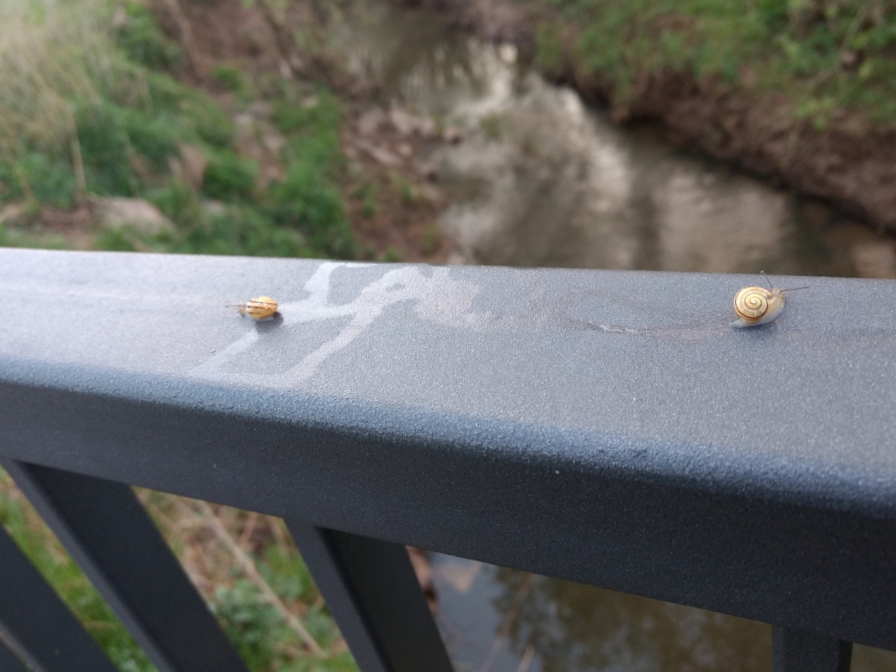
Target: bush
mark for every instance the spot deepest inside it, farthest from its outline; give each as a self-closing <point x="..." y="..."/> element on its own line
<point x="178" y="204"/>
<point x="242" y="231"/>
<point x="51" y="179"/>
<point x="319" y="112"/>
<point x="195" y="113"/>
<point x="10" y="183"/>
<point x="250" y="622"/>
<point x="308" y="202"/>
<point x="229" y="178"/>
<point x="122" y="146"/>
<point x="143" y="41"/>
<point x="230" y="78"/>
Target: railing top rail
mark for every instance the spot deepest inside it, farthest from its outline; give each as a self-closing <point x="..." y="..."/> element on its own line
<point x="636" y="371"/>
<point x="608" y="427"/>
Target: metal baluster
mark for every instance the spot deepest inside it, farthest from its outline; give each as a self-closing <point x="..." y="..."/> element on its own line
<point x="110" y="535"/>
<point x="10" y="662"/>
<point x="373" y="593"/>
<point x="37" y="624"/>
<point x="800" y="651"/>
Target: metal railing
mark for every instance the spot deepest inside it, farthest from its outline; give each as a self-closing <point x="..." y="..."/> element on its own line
<point x="604" y="427"/>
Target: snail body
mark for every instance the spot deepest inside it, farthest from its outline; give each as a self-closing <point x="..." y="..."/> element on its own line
<point x="757" y="305"/>
<point x="260" y="308"/>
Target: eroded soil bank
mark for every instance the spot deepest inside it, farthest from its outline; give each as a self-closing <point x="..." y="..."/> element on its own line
<point x="848" y="161"/>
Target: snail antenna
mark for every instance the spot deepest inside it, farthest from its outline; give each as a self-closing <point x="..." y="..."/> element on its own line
<point x="788" y="289"/>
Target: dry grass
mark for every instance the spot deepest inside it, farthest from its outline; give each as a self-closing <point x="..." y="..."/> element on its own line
<point x="54" y="56"/>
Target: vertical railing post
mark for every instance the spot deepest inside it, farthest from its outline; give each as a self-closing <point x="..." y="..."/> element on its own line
<point x="10" y="662"/>
<point x="112" y="538"/>
<point x="800" y="651"/>
<point x="371" y="589"/>
<point x="37" y="624"/>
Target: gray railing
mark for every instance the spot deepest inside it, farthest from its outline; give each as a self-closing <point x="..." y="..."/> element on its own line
<point x="604" y="427"/>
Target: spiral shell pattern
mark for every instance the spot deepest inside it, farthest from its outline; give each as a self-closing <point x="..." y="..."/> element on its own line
<point x="757" y="305"/>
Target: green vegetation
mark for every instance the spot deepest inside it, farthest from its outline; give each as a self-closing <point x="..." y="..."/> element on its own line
<point x="255" y="626"/>
<point x="828" y="56"/>
<point x="366" y="194"/>
<point x="229" y="178"/>
<point x="261" y="635"/>
<point x="42" y="548"/>
<point x="230" y="78"/>
<point x="89" y="108"/>
<point x="143" y="42"/>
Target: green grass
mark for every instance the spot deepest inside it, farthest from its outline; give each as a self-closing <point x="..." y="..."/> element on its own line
<point x="261" y="636"/>
<point x="49" y="178"/>
<point x="254" y="625"/>
<point x="57" y="567"/>
<point x="229" y="178"/>
<point x="308" y="198"/>
<point x="14" y="237"/>
<point x="89" y="106"/>
<point x="73" y="98"/>
<point x="301" y="215"/>
<point x="231" y="79"/>
<point x="828" y="56"/>
<point x="243" y="230"/>
<point x="366" y="194"/>
<point x="142" y="40"/>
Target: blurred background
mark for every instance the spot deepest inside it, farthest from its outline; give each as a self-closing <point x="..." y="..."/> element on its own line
<point x="688" y="135"/>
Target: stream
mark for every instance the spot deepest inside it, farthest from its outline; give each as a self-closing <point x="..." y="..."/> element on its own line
<point x="538" y="178"/>
<point x="541" y="179"/>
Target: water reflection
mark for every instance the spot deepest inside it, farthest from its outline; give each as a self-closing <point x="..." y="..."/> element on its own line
<point x="500" y="620"/>
<point x="593" y="629"/>
<point x="542" y="180"/>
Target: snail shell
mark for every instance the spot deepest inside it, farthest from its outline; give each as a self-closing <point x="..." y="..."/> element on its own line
<point x="757" y="305"/>
<point x="259" y="308"/>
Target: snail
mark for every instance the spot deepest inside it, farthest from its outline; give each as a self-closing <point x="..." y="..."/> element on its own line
<point x="758" y="305"/>
<point x="260" y="308"/>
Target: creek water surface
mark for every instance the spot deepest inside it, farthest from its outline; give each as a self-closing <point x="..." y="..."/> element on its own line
<point x="541" y="179"/>
<point x="538" y="178"/>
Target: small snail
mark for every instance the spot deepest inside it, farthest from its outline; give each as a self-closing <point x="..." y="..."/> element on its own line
<point x="260" y="308"/>
<point x="758" y="305"/>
